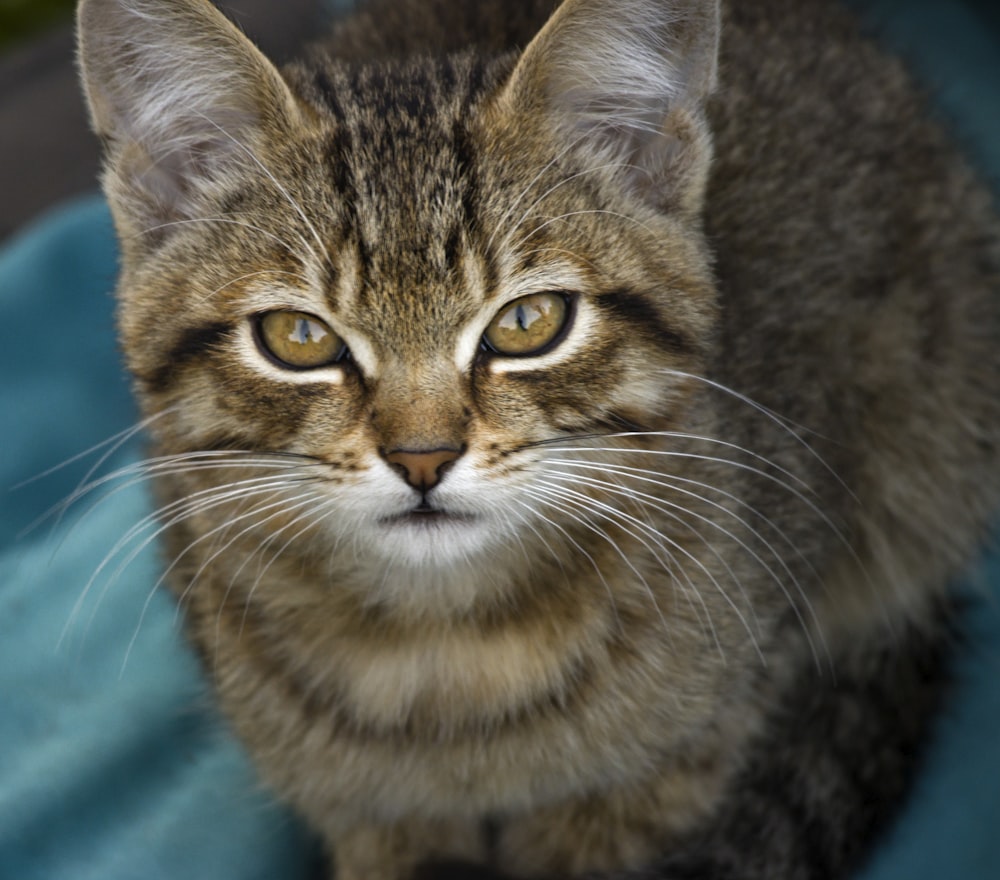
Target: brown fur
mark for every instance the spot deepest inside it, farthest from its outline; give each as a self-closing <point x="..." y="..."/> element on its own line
<point x="785" y="283"/>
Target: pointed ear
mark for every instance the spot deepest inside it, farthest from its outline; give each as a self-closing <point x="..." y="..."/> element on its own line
<point x="181" y="99"/>
<point x="628" y="81"/>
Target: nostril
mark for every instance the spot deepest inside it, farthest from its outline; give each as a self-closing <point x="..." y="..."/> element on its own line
<point x="422" y="469"/>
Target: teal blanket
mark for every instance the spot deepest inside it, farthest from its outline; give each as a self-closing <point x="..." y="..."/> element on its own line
<point x="113" y="765"/>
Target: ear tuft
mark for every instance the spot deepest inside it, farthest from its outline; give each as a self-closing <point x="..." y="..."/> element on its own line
<point x="628" y="82"/>
<point x="179" y="96"/>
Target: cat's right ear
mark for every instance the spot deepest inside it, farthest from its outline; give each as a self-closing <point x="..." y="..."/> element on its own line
<point x="181" y="99"/>
<point x="625" y="83"/>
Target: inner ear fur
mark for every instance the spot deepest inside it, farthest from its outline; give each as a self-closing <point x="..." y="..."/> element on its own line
<point x="627" y="83"/>
<point x="180" y="98"/>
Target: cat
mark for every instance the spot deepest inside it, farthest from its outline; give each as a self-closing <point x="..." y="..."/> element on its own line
<point x="566" y="419"/>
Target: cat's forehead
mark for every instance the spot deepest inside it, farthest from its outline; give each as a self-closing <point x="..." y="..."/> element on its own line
<point x="399" y="132"/>
<point x="402" y="169"/>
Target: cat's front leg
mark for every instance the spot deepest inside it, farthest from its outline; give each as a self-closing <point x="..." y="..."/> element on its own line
<point x="394" y="852"/>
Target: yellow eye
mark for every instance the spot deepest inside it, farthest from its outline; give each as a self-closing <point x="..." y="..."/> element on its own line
<point x="298" y="340"/>
<point x="528" y="325"/>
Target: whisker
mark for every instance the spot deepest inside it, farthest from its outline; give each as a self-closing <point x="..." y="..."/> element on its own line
<point x="640" y="499"/>
<point x="586" y="502"/>
<point x="782" y="422"/>
<point x="283" y="507"/>
<point x="813" y="507"/>
<point x="576" y="545"/>
<point x="150" y="229"/>
<point x="558" y="185"/>
<point x="177" y="511"/>
<point x="296" y="275"/>
<point x="148" y="469"/>
<point x="507" y="512"/>
<point x="546" y="249"/>
<point x="676" y="435"/>
<point x="549" y="491"/>
<point x="658" y="503"/>
<point x="159" y="582"/>
<point x="58" y="511"/>
<point x="284" y="504"/>
<point x="120" y="545"/>
<point x="527" y="189"/>
<point x="568" y="214"/>
<point x="671" y="481"/>
<point x="116" y="441"/>
<point x="196" y="460"/>
<point x="314" y="519"/>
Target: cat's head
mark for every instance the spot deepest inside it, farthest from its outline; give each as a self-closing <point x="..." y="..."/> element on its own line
<point x="429" y="277"/>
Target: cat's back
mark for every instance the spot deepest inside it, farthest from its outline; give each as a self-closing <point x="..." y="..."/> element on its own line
<point x="829" y="156"/>
<point x="858" y="263"/>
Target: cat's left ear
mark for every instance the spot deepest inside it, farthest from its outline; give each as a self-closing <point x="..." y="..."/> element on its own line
<point x="182" y="100"/>
<point x="626" y="81"/>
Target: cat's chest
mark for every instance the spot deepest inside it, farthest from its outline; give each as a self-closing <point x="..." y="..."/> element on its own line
<point x="366" y="670"/>
<point x="503" y="709"/>
<point x="554" y="647"/>
<point x="450" y="679"/>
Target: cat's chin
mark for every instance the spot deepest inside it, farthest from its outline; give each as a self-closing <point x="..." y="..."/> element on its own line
<point x="431" y="563"/>
<point x="431" y="538"/>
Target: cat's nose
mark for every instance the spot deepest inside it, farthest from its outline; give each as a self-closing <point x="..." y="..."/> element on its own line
<point x="422" y="469"/>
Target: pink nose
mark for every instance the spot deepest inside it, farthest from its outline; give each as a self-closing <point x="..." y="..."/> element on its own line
<point x="422" y="469"/>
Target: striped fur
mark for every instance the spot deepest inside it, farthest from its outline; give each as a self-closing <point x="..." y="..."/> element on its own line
<point x="672" y="602"/>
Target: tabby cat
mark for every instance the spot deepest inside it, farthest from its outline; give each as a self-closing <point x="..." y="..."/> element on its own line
<point x="565" y="419"/>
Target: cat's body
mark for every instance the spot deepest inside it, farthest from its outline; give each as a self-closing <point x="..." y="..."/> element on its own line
<point x="655" y="578"/>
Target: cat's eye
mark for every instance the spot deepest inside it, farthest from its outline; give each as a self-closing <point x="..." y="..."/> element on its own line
<point x="298" y="340"/>
<point x="529" y="325"/>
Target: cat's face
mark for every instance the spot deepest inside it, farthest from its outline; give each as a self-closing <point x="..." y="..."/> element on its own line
<point x="407" y="293"/>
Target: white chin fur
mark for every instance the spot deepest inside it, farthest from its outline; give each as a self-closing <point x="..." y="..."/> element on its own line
<point x="437" y="569"/>
<point x="430" y="542"/>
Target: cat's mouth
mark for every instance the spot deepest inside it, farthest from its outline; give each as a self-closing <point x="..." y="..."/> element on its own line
<point x="425" y="515"/>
